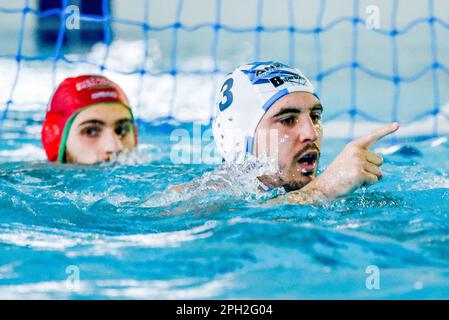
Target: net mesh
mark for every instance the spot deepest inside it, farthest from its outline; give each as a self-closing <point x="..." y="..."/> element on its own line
<point x="358" y="74"/>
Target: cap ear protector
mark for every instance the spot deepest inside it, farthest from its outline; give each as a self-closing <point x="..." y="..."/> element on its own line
<point x="245" y="96"/>
<point x="71" y="97"/>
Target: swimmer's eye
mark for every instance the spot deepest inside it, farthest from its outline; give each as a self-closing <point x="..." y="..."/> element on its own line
<point x="288" y="121"/>
<point x="123" y="129"/>
<point x="316" y="117"/>
<point x="91" y="132"/>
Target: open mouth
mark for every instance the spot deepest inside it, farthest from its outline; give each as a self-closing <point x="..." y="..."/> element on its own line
<point x="307" y="162"/>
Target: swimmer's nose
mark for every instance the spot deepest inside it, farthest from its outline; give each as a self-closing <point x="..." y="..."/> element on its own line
<point x="307" y="131"/>
<point x="111" y="144"/>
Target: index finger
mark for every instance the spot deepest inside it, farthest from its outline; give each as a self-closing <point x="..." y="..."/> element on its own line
<point x="376" y="135"/>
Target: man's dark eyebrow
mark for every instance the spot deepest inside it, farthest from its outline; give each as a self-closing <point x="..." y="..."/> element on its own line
<point x="124" y="120"/>
<point x="317" y="107"/>
<point x="286" y="110"/>
<point x="102" y="123"/>
<point x="283" y="111"/>
<point x="92" y="121"/>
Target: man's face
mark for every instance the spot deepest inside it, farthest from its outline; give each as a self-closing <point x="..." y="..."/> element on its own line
<point x="290" y="133"/>
<point x="98" y="132"/>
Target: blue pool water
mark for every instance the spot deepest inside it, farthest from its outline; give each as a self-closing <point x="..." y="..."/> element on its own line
<point x="115" y="228"/>
<point x="113" y="231"/>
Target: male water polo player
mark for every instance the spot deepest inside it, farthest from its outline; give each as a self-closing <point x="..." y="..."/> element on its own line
<point x="88" y="121"/>
<point x="270" y="109"/>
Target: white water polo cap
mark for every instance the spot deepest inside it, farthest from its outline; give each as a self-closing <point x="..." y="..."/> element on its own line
<point x="245" y="96"/>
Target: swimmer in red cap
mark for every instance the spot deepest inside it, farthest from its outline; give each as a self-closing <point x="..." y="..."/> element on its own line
<point x="88" y="120"/>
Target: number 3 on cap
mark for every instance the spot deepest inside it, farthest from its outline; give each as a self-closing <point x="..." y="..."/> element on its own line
<point x="226" y="92"/>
